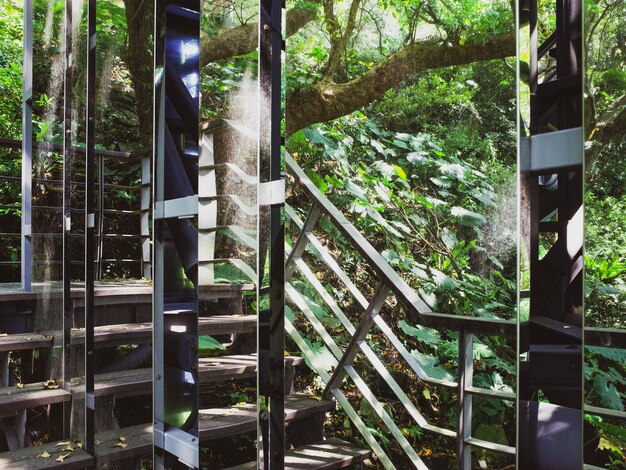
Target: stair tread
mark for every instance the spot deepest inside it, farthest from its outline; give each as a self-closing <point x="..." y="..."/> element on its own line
<point x="30" y="396"/>
<point x="326" y="455"/>
<point x="130" y="382"/>
<point x="212" y="369"/>
<point x="138" y="441"/>
<point x="29" y="458"/>
<point x="330" y="454"/>
<point x="224" y="422"/>
<point x="127" y="333"/>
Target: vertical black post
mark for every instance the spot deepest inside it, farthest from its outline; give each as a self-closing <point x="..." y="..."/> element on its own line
<point x="272" y="194"/>
<point x="27" y="148"/>
<point x="175" y="210"/>
<point x="90" y="226"/>
<point x="552" y="338"/>
<point x="67" y="213"/>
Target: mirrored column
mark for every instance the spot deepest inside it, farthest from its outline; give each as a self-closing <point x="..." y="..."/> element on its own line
<point x="605" y="228"/>
<point x="551" y="148"/>
<point x="175" y="307"/>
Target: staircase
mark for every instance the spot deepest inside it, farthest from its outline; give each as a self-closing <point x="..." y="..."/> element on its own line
<point x="224" y="372"/>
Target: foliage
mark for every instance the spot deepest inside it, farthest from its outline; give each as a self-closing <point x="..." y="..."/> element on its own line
<point x="401" y="188"/>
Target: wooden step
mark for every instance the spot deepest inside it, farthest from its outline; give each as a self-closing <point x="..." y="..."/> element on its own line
<point x="129" y="333"/>
<point x="215" y="369"/>
<point x="211" y="369"/>
<point x="137" y="441"/>
<point x="130" y="383"/>
<point x="45" y="457"/>
<point x="217" y="423"/>
<point x="30" y="396"/>
<point x="327" y="455"/>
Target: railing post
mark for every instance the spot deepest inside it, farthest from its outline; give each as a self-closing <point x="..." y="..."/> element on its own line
<point x="466" y="372"/>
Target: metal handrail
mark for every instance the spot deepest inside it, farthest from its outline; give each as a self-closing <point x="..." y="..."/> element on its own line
<point x="405" y="294"/>
<point x="390" y="283"/>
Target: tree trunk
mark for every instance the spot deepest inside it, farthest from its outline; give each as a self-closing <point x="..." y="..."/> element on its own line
<point x="139" y="59"/>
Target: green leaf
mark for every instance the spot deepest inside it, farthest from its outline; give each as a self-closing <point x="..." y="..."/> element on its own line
<point x="208" y="343"/>
<point x="492" y="433"/>
<point x="400" y="172"/>
<point x="482" y="351"/>
<point x="614" y="354"/>
<point x="356" y="191"/>
<point x="467" y="218"/>
<point x="417" y="158"/>
<point x="608" y="393"/>
<point x="423" y="334"/>
<point x="431" y="366"/>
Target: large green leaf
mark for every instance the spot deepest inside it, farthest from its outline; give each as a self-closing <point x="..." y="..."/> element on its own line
<point x="208" y="343"/>
<point x="423" y="334"/>
<point x="431" y="366"/>
<point x="614" y="354"/>
<point x="608" y="393"/>
<point x="467" y="218"/>
<point x="492" y="433"/>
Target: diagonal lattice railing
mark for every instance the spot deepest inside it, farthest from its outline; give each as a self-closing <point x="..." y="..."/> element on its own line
<point x="390" y="284"/>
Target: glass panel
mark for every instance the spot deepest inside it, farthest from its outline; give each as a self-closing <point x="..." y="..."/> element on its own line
<point x="123" y="292"/>
<point x="47" y="197"/>
<point x="74" y="214"/>
<point x="176" y="234"/>
<point x="227" y="223"/>
<point x="418" y="152"/>
<point x="551" y="317"/>
<point x="605" y="226"/>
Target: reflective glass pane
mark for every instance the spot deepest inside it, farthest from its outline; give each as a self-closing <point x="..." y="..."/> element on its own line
<point x="412" y="138"/>
<point x="227" y="230"/>
<point x="605" y="268"/>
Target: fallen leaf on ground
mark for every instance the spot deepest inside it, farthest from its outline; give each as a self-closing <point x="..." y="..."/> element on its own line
<point x="70" y="448"/>
<point x="315" y="397"/>
<point x="51" y="384"/>
<point x="61" y="458"/>
<point x="63" y="443"/>
<point x="122" y="438"/>
<point x="120" y="444"/>
<point x="44" y="454"/>
<point x="20" y="386"/>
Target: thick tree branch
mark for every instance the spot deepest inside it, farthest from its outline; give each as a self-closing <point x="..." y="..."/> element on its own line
<point x="244" y="39"/>
<point x="326" y="101"/>
<point x="341" y="42"/>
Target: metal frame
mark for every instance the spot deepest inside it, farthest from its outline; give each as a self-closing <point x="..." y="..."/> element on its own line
<point x="90" y="223"/>
<point x="174" y="205"/>
<point x="67" y="211"/>
<point x="271" y="342"/>
<point x="553" y="163"/>
<point x="27" y="149"/>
